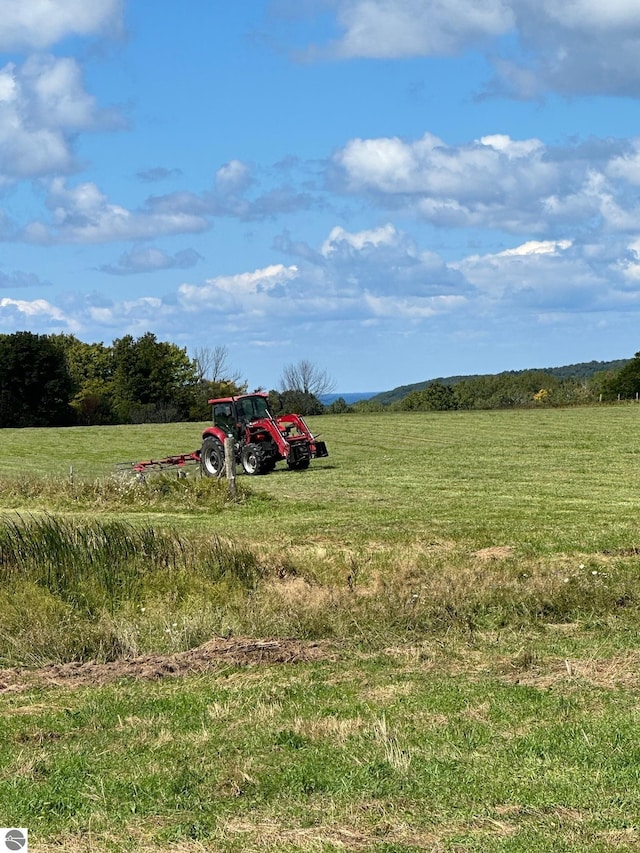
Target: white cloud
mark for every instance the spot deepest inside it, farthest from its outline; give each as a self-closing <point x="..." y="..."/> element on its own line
<point x="37" y="24"/>
<point x="385" y="235"/>
<point x="37" y="315"/>
<point x="82" y="214"/>
<point x="536" y="247"/>
<point x="42" y="106"/>
<point x="630" y="266"/>
<point x="53" y="94"/>
<point x="387" y="29"/>
<point x="588" y="15"/>
<point x="361" y="275"/>
<point x="378" y="279"/>
<point x="413" y="310"/>
<point x="488" y="168"/>
<point x="157" y="173"/>
<point x="129" y="316"/>
<point x="21" y="280"/>
<point x="384" y="261"/>
<point x="517" y="186"/>
<point x="230" y="197"/>
<point x="573" y="46"/>
<point x="234" y="177"/>
<point x="242" y="292"/>
<point x="627" y="166"/>
<point x="579" y="46"/>
<point x="558" y="277"/>
<point x="513" y="149"/>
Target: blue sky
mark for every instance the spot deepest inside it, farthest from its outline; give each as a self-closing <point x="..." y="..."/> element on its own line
<point x="395" y="190"/>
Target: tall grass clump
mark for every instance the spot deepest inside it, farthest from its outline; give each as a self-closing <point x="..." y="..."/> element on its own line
<point x="78" y="589"/>
<point x="121" y="492"/>
<point x="91" y="564"/>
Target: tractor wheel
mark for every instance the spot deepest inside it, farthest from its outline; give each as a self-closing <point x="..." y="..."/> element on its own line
<point x="300" y="465"/>
<point x="212" y="458"/>
<point x="252" y="459"/>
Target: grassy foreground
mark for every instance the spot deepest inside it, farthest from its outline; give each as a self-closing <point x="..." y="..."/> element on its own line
<point x="474" y="577"/>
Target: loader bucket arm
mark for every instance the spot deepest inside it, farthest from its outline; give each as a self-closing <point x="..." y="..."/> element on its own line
<point x="295" y="429"/>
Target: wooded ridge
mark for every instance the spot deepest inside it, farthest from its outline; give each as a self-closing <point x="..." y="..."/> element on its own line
<point x="581" y="370"/>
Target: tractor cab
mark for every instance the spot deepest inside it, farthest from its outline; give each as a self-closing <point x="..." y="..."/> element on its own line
<point x="232" y="414"/>
<point x="252" y="408"/>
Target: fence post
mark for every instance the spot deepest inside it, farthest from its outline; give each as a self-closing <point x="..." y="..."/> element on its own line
<point x="230" y="466"/>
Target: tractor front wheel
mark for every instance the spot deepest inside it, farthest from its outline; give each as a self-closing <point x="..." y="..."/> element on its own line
<point x="212" y="458"/>
<point x="253" y="460"/>
<point x="300" y="465"/>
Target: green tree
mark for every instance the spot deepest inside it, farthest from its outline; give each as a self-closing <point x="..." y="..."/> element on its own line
<point x="297" y="402"/>
<point x="511" y="389"/>
<point x="435" y="397"/>
<point x="574" y="391"/>
<point x="35" y="382"/>
<point x="91" y="367"/>
<point x="339" y="407"/>
<point x="153" y="381"/>
<point x="626" y="382"/>
<point x="369" y="406"/>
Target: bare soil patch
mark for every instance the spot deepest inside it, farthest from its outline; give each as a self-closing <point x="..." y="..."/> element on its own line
<point x="619" y="671"/>
<point x="495" y="552"/>
<point x="210" y="655"/>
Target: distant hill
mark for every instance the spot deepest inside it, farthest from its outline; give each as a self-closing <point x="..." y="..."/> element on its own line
<point x="583" y="370"/>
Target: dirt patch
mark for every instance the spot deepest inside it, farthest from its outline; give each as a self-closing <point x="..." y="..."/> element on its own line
<point x="268" y="833"/>
<point x="495" y="552"/>
<point x="211" y="655"/>
<point x="619" y="671"/>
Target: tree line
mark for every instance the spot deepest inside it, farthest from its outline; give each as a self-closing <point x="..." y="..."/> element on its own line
<point x="521" y="389"/>
<point x="59" y="380"/>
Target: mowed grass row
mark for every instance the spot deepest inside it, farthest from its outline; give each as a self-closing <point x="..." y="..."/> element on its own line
<point x="476" y="578"/>
<point x="543" y="481"/>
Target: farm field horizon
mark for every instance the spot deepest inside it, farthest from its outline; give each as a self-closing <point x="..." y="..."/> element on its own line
<point x="427" y="641"/>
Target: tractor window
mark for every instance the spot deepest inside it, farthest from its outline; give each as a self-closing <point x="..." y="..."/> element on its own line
<point x="260" y="408"/>
<point x="252" y="408"/>
<point x="245" y="411"/>
<point x="223" y="417"/>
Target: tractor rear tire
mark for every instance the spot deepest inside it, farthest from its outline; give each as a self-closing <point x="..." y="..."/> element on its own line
<point x="212" y="458"/>
<point x="253" y="459"/>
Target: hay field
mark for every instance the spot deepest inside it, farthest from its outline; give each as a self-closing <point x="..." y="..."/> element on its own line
<point x="427" y="641"/>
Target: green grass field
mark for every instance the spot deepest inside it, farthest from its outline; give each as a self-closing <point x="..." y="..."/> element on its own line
<point x="464" y="593"/>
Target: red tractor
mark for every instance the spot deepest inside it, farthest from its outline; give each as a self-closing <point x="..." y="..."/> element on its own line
<point x="261" y="440"/>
